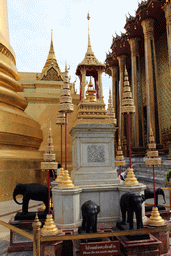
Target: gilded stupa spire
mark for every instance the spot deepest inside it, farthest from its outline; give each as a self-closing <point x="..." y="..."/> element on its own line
<point x="51" y="59"/>
<point x="110" y="110"/>
<point x="90" y="58"/>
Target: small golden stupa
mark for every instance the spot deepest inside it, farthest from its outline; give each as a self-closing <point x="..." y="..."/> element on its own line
<point x="66" y="182"/>
<point x="110" y="110"/>
<point x="152" y="160"/>
<point x="49" y="227"/>
<point x="91" y="93"/>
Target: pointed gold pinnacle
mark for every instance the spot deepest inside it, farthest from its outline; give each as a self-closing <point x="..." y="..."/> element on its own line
<point x="130" y="178"/>
<point x="60" y="175"/>
<point x="66" y="182"/>
<point x="155" y="218"/>
<point x="49" y="227"/>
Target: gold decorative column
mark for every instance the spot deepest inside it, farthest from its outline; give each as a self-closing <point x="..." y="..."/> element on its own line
<point x="152" y="160"/>
<point x="151" y="79"/>
<point x="66" y="106"/>
<point x="167" y="10"/>
<point x="137" y="135"/>
<point x="49" y="227"/>
<point x="122" y="64"/>
<point x="128" y="108"/>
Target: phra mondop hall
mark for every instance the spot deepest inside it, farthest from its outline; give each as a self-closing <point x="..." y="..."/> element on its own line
<point x="145" y="49"/>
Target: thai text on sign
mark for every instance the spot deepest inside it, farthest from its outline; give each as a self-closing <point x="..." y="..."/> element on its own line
<point x="108" y="248"/>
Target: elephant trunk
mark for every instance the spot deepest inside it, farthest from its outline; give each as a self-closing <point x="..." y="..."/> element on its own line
<point x="14" y="197"/>
<point x="160" y="191"/>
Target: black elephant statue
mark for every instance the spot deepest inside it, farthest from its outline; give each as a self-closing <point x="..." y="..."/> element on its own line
<point x="34" y="191"/>
<point x="149" y="193"/>
<point x="89" y="213"/>
<point x="130" y="203"/>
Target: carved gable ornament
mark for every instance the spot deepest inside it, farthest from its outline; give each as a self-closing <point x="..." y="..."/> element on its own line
<point x="51" y="74"/>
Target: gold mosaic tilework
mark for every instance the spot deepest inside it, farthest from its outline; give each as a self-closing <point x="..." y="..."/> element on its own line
<point x="164" y="86"/>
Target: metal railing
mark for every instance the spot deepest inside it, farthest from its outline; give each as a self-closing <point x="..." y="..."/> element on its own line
<point x="37" y="238"/>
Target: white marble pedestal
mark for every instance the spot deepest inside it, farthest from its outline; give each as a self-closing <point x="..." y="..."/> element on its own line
<point x="107" y="197"/>
<point x="66" y="203"/>
<point x="93" y="155"/>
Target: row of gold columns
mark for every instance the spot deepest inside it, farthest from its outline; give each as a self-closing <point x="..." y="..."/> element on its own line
<point x="152" y="104"/>
<point x="151" y="79"/>
<point x="138" y="136"/>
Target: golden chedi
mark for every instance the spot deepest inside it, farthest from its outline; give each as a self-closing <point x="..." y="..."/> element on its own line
<point x="60" y="175"/>
<point x="49" y="227"/>
<point x="66" y="182"/>
<point x="130" y="178"/>
<point x="91" y="93"/>
<point x="110" y="110"/>
<point x="20" y="135"/>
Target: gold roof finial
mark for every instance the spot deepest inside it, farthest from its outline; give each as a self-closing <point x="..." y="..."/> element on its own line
<point x="90" y="58"/>
<point x="51" y="59"/>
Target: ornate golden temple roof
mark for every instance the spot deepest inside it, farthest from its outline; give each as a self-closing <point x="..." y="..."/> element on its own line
<point x="90" y="58"/>
<point x="51" y="62"/>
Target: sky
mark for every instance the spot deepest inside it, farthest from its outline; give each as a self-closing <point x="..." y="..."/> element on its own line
<point x="31" y="21"/>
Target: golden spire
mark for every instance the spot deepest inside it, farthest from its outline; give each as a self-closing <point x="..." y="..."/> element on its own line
<point x="51" y="59"/>
<point x="89" y="49"/>
<point x="110" y="109"/>
<point x="66" y="99"/>
<point x="127" y="101"/>
<point x="90" y="58"/>
<point x="4" y="31"/>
